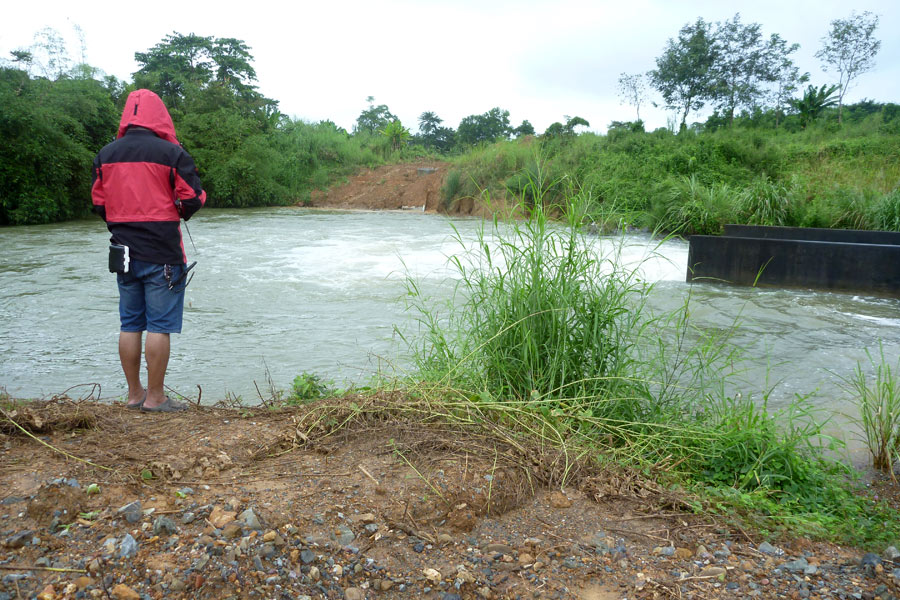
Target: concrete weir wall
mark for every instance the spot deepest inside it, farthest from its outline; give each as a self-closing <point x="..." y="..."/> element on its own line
<point x="791" y="257"/>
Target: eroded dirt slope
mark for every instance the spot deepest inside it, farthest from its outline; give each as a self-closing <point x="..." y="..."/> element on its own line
<point x="411" y="186"/>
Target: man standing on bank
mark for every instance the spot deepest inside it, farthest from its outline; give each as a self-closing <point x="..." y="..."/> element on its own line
<point x="143" y="184"/>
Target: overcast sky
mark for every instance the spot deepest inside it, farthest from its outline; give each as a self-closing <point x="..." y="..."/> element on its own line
<point x="540" y="60"/>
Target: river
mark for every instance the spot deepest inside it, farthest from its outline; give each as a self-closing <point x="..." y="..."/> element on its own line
<point x="282" y="291"/>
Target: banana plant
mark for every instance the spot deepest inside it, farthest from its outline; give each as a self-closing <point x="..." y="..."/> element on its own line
<point x="396" y="133"/>
<point x="814" y="102"/>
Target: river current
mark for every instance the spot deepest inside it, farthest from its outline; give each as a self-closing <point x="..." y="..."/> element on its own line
<point x="282" y="291"/>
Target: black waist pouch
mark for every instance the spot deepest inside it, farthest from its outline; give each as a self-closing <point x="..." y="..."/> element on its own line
<point x="119" y="259"/>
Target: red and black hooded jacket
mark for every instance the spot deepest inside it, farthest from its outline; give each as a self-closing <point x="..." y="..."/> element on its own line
<point x="142" y="180"/>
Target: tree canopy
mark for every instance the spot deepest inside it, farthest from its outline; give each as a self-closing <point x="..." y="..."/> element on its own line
<point x="684" y="71"/>
<point x="850" y="48"/>
<point x="486" y="127"/>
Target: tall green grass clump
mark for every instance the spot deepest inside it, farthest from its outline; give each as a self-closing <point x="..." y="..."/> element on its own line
<point x="688" y="206"/>
<point x="886" y="215"/>
<point x="540" y="314"/>
<point x="878" y="401"/>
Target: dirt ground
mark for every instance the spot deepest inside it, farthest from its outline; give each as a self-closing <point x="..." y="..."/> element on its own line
<point x="414" y="186"/>
<point x="408" y="186"/>
<point x="365" y="506"/>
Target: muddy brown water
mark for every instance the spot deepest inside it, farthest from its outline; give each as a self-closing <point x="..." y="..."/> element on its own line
<point x="279" y="292"/>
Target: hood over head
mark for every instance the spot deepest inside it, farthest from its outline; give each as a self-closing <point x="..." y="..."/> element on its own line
<point x="145" y="109"/>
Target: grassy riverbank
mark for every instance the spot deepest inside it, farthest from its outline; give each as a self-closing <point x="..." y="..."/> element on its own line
<point x="697" y="181"/>
<point x="554" y="339"/>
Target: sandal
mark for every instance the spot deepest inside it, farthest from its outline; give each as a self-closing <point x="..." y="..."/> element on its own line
<point x="138" y="405"/>
<point x="167" y="406"/>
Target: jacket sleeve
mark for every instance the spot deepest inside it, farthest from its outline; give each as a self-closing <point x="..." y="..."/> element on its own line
<point x="98" y="195"/>
<point x="188" y="188"/>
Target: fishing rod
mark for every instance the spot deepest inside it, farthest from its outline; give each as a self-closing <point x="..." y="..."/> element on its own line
<point x="184" y="275"/>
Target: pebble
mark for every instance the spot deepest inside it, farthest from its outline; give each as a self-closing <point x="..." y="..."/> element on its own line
<point x="767" y="548"/>
<point x="307" y="556"/>
<point x="870" y="559"/>
<point x="345" y="535"/>
<point x="219" y="517"/>
<point x="123" y="592"/>
<point x="18" y="540"/>
<point x="249" y="518"/>
<point x="354" y="593"/>
<point x="164" y="526"/>
<point x="131" y="511"/>
<point x="560" y="500"/>
<point x="128" y="547"/>
<point x="498" y="549"/>
<point x="713" y="571"/>
<point x="232" y="530"/>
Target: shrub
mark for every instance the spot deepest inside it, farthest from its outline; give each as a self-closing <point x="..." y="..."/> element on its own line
<point x="308" y="387"/>
<point x="688" y="207"/>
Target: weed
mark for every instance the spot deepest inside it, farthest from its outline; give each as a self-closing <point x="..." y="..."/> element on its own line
<point x="877" y="398"/>
<point x="308" y="387"/>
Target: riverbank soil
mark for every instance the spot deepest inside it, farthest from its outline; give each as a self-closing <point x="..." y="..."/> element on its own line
<point x="409" y="186"/>
<point x="339" y="499"/>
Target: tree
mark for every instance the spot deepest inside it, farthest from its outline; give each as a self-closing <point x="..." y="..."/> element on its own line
<point x="488" y="127"/>
<point x="429" y="123"/>
<point x="683" y="73"/>
<point x="814" y="102"/>
<point x="50" y="131"/>
<point x="374" y="118"/>
<point x="49" y="53"/>
<point x="433" y="135"/>
<point x="787" y="80"/>
<point x="568" y="130"/>
<point x="745" y="63"/>
<point x="850" y="48"/>
<point x="573" y="122"/>
<point x="526" y="128"/>
<point x="193" y="73"/>
<point x="232" y="61"/>
<point x="555" y="129"/>
<point x="176" y="68"/>
<point x="632" y="91"/>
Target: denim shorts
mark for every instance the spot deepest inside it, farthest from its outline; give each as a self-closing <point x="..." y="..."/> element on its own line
<point x="145" y="300"/>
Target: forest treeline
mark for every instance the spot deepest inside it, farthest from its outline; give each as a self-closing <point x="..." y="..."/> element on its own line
<point x="771" y="152"/>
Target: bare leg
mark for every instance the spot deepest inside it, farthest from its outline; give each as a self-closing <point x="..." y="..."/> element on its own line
<point x="157" y="354"/>
<point x="130" y="356"/>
